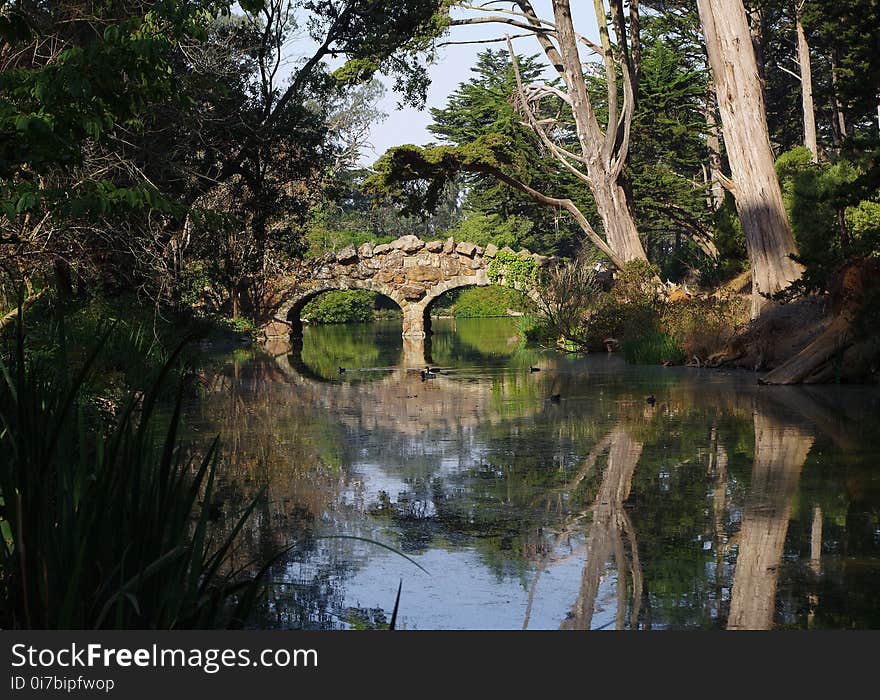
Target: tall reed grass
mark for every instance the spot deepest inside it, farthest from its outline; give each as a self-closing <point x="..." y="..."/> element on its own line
<point x="104" y="528"/>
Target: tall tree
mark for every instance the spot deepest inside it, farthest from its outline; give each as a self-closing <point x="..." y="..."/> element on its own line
<point x="769" y="240"/>
<point x="600" y="150"/>
<point x="806" y="77"/>
<point x="482" y="106"/>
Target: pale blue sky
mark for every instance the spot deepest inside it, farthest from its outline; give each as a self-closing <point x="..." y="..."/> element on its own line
<point x="408" y="125"/>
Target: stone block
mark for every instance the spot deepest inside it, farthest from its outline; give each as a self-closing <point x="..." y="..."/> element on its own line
<point x="434" y="246"/>
<point x="449" y="246"/>
<point x="366" y="250"/>
<point x="347" y="254"/>
<point x="384" y="276"/>
<point x="381" y="249"/>
<point x="468" y="249"/>
<point x="423" y="273"/>
<point x="449" y="266"/>
<point x="408" y="244"/>
<point x="412" y="292"/>
<point x="491" y="250"/>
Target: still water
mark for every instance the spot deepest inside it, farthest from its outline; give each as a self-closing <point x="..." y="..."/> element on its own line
<point x="557" y="498"/>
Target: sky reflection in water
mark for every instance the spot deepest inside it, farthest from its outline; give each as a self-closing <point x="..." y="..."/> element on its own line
<point x="723" y="505"/>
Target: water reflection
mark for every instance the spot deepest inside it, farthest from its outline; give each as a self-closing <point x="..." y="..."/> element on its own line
<point x="724" y="505"/>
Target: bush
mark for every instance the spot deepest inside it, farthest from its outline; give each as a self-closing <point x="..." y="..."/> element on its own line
<point x="631" y="308"/>
<point x="349" y="306"/>
<point x="537" y="330"/>
<point x="702" y="327"/>
<point x="485" y="302"/>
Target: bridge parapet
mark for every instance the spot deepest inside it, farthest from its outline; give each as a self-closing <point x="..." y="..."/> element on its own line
<point x="408" y="270"/>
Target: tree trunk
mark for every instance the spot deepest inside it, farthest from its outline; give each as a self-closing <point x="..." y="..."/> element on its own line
<point x="606" y="530"/>
<point x="602" y="154"/>
<point x="780" y="453"/>
<point x="807" y="91"/>
<point x="769" y="239"/>
<point x="617" y="219"/>
<point x="713" y="146"/>
<point x="840" y="116"/>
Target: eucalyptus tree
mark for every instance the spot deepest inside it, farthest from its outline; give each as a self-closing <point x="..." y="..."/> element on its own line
<point x="593" y="152"/>
<point x="769" y="239"/>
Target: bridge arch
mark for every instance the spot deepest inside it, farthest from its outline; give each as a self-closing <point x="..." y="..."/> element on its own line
<point x="291" y="309"/>
<point x="409" y="271"/>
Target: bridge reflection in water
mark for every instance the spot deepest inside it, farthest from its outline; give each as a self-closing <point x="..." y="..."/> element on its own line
<point x="725" y="505"/>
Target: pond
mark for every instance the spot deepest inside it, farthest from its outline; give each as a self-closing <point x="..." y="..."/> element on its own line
<point x="558" y="498"/>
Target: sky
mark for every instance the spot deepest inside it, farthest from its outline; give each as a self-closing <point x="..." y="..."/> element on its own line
<point x="409" y="125"/>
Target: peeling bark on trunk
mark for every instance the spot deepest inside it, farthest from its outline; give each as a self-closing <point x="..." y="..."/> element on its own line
<point x="780" y="453"/>
<point x="769" y="239"/>
<point x="617" y="219"/>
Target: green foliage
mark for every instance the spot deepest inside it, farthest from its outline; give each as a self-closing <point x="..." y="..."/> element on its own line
<point x="107" y="530"/>
<point x="536" y="330"/>
<point x="513" y="269"/>
<point x="52" y="115"/>
<point x="348" y="306"/>
<point x="348" y="215"/>
<point x="651" y="348"/>
<point x="629" y="310"/>
<point x="484" y="228"/>
<point x="486" y="302"/>
<point x="414" y="179"/>
<point x="731" y="243"/>
<point x="834" y="209"/>
<point x="668" y="152"/>
<point x="483" y="106"/>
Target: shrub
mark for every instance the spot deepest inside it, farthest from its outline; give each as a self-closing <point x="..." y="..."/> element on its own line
<point x="349" y="306"/>
<point x="485" y="302"/>
<point x="537" y="330"/>
<point x="631" y="308"/>
<point x="702" y="327"/>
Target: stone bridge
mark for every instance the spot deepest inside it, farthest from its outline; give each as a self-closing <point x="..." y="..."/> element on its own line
<point x="412" y="272"/>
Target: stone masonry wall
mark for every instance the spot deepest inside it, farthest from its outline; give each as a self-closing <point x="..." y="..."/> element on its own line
<point x="409" y="270"/>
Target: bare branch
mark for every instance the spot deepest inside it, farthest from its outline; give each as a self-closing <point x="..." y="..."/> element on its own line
<point x="498" y="40"/>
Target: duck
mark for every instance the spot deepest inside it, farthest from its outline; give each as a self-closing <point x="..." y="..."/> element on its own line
<point x="427" y="373"/>
<point x="534" y="369"/>
<point x="555" y="398"/>
<point x="342" y="370"/>
<point x="651" y="400"/>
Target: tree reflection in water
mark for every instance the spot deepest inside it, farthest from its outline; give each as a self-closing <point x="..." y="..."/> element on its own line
<point x="725" y="505"/>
